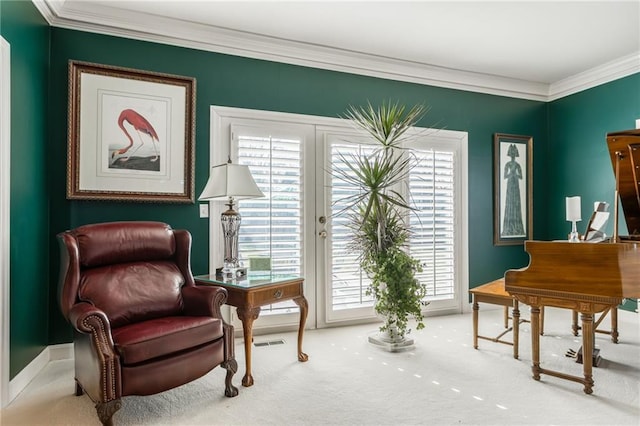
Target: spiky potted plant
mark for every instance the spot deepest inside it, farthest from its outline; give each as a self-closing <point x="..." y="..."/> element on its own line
<point x="377" y="215"/>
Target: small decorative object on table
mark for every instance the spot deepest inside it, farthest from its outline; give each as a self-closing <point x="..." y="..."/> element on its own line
<point x="260" y="264"/>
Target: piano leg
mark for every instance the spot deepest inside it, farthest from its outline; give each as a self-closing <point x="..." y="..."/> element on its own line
<point x="614" y="324"/>
<point x="587" y="348"/>
<point x="535" y="341"/>
<point x="516" y="328"/>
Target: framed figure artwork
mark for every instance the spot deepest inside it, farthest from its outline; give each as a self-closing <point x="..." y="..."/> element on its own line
<point x="131" y="135"/>
<point x="513" y="189"/>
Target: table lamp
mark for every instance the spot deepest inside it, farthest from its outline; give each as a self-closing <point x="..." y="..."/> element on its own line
<point x="573" y="216"/>
<point x="230" y="182"/>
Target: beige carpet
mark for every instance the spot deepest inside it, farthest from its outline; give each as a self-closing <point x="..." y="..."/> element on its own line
<point x="347" y="381"/>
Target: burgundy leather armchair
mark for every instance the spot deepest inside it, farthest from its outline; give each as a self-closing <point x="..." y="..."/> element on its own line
<point x="141" y="325"/>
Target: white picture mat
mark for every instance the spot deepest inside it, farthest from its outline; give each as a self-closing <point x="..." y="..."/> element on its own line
<point x="102" y="98"/>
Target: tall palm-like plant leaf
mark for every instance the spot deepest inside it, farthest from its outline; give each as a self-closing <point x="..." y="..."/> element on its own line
<point x="374" y="177"/>
<point x="388" y="123"/>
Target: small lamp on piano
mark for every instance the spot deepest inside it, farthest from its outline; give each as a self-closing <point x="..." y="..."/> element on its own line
<point x="230" y="182"/>
<point x="573" y="216"/>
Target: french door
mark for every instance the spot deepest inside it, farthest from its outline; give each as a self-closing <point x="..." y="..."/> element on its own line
<point x="434" y="188"/>
<point x="297" y="225"/>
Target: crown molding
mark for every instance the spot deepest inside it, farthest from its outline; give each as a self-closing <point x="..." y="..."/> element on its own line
<point x="621" y="67"/>
<point x="134" y="25"/>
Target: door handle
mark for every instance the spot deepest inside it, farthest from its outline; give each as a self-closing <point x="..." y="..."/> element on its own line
<point x="322" y="234"/>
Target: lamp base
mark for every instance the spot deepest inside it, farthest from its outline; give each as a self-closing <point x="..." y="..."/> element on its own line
<point x="574" y="237"/>
<point x="230" y="220"/>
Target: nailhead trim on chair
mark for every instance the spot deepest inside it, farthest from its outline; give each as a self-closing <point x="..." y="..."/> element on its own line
<point x="100" y="341"/>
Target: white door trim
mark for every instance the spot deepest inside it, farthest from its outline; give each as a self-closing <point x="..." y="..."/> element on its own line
<point x="5" y="195"/>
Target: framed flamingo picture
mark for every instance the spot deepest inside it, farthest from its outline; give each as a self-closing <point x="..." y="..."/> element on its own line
<point x="131" y="135"/>
<point x="513" y="189"/>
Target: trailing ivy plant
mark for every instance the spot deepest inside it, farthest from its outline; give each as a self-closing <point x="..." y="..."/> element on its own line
<point x="377" y="212"/>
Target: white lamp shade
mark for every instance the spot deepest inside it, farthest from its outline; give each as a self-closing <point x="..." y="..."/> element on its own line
<point x="573" y="209"/>
<point x="230" y="181"/>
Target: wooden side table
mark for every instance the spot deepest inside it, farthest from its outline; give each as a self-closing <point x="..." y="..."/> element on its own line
<point x="249" y="293"/>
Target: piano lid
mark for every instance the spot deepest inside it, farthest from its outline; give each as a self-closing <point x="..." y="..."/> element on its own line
<point x="627" y="143"/>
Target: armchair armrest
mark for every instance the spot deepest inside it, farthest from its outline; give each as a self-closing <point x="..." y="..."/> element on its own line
<point x="207" y="300"/>
<point x="86" y="318"/>
<point x="81" y="316"/>
<point x="204" y="301"/>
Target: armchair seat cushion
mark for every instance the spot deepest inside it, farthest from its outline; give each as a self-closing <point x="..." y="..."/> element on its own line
<point x="140" y="342"/>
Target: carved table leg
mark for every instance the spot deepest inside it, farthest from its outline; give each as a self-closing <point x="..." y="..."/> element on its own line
<point x="587" y="350"/>
<point x="301" y="301"/>
<point x="535" y="341"/>
<point x="247" y="317"/>
<point x="516" y="328"/>
<point x="476" y="307"/>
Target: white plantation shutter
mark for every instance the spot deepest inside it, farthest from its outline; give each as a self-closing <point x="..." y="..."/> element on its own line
<point x="272" y="226"/>
<point x="431" y="185"/>
<point x="349" y="283"/>
<point x="431" y="191"/>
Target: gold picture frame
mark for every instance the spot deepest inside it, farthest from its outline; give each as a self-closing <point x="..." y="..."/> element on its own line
<point x="131" y="135"/>
<point x="513" y="189"/>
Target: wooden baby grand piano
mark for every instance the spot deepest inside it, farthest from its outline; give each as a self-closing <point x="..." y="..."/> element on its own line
<point x="588" y="278"/>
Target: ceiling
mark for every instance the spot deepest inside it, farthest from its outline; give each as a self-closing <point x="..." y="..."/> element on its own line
<point x="529" y="49"/>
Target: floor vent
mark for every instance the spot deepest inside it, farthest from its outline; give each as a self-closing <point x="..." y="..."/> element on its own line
<point x="269" y="343"/>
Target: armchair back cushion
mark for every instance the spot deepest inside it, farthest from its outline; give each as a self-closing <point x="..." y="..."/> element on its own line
<point x="134" y="292"/>
<point x="129" y="272"/>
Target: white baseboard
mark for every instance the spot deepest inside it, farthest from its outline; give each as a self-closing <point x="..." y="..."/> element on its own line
<point x="24" y="377"/>
<point x="61" y="351"/>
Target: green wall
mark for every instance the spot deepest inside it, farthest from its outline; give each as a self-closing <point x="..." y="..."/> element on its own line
<point x="28" y="34"/>
<point x="39" y="143"/>
<point x="577" y="155"/>
<point x="248" y="83"/>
